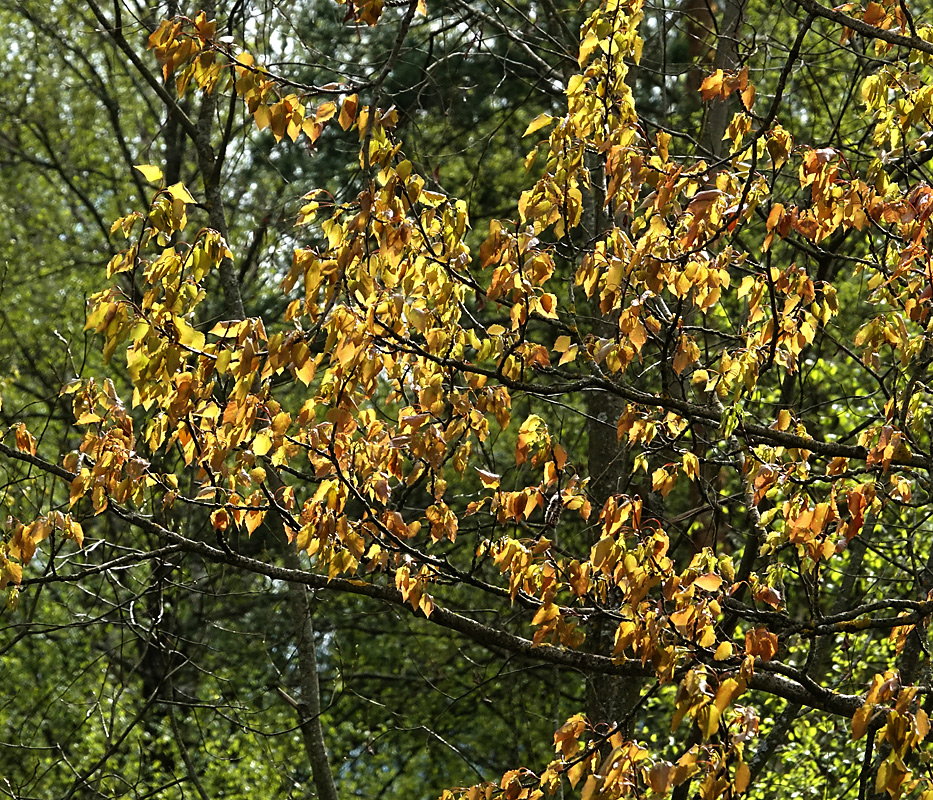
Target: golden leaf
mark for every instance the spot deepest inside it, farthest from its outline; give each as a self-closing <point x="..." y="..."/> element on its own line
<point x="150" y="172"/>
<point x="537" y="123"/>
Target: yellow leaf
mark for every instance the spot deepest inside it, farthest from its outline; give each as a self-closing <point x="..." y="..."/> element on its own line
<point x="860" y="720"/>
<point x="348" y="111"/>
<point x="223" y="361"/>
<point x="546" y="613"/>
<point x="659" y="777"/>
<point x="562" y="344"/>
<point x="710" y="582"/>
<point x="662" y="481"/>
<point x="179" y="192"/>
<point x="262" y="116"/>
<point x="638" y="336"/>
<point x="254" y="520"/>
<point x="489" y="479"/>
<point x="729" y="689"/>
<point x="230" y="329"/>
<point x="691" y="466"/>
<point x="712" y="85"/>
<point x="547" y="304"/>
<point x="537" y="123"/>
<point x="188" y="336"/>
<point x="151" y="173"/>
<point x="11" y="573"/>
<point x="724" y="651"/>
<point x="570" y="355"/>
<point x="575" y="773"/>
<point x="426" y="604"/>
<point x="708" y="720"/>
<point x="73" y="530"/>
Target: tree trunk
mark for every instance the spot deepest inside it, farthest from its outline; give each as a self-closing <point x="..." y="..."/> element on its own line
<point x="608" y="697"/>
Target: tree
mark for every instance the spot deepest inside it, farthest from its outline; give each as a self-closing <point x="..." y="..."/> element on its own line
<point x="659" y="438"/>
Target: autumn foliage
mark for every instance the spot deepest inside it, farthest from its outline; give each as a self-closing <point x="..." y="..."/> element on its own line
<point x="434" y="417"/>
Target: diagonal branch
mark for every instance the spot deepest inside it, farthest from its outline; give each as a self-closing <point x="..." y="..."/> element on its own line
<point x="857" y="25"/>
<point x="773" y="677"/>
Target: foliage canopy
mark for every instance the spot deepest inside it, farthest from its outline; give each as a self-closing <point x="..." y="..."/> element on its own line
<point x="632" y="468"/>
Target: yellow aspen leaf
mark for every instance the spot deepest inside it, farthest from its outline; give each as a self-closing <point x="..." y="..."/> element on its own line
<point x="150" y="172"/>
<point x="189" y="336"/>
<point x="687" y="353"/>
<point x="728" y="690"/>
<point x="569" y="355"/>
<point x="587" y="47"/>
<point x="691" y="466"/>
<point x="262" y="116"/>
<point x="638" y="335"/>
<point x="723" y="651"/>
<point x="683" y="618"/>
<point x="663" y="140"/>
<point x="10" y="572"/>
<point x="887" y="778"/>
<point x="69" y="526"/>
<point x="561" y="344"/>
<point x="706" y="637"/>
<point x="230" y="329"/>
<point x="560" y="456"/>
<point x="712" y="85"/>
<point x="566" y="737"/>
<point x="22" y="544"/>
<point x="546" y="613"/>
<point x="547" y="306"/>
<point x="222" y="364"/>
<point x="348" y="111"/>
<point x="591" y="787"/>
<point x="874" y="14"/>
<point x="537" y="123"/>
<point x="78" y="487"/>
<point x="576" y="772"/>
<point x="426" y="604"/>
<point x="662" y="481"/>
<point x="179" y="192"/>
<point x="769" y="595"/>
<point x="253" y="520"/>
<point x="25" y="441"/>
<point x="709" y="582"/>
<point x="490" y="479"/>
<point x="708" y="720"/>
<point x="743" y="776"/>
